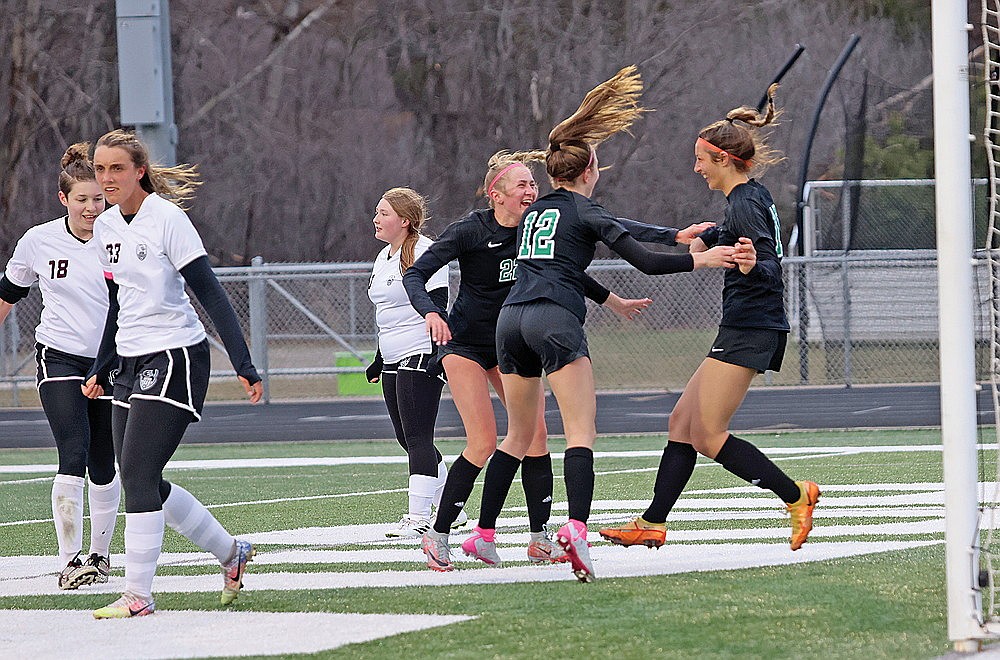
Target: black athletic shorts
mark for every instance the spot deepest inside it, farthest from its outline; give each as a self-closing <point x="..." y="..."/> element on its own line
<point x="428" y="363"/>
<point x="754" y="348"/>
<point x="55" y="365"/>
<point x="178" y="376"/>
<point x="484" y="356"/>
<point x="536" y="336"/>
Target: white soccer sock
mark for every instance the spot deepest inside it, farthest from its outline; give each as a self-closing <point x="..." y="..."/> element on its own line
<point x="143" y="540"/>
<point x="104" y="501"/>
<point x="67" y="512"/>
<point x="189" y="517"/>
<point x="441" y="478"/>
<point x="422" y="490"/>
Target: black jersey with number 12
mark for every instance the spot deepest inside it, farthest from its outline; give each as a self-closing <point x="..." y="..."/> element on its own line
<point x="556" y="241"/>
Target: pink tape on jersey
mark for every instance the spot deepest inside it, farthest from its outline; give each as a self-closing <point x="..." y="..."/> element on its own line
<point x="108" y="276"/>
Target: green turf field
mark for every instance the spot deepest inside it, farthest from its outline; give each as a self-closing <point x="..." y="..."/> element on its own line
<point x="869" y="584"/>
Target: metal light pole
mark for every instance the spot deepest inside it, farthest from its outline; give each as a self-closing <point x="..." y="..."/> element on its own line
<point x="145" y="78"/>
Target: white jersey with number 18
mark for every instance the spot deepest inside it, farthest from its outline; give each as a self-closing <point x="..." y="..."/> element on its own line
<point x="69" y="275"/>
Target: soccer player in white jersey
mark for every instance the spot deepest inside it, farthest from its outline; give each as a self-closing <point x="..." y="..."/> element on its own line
<point x="150" y="250"/>
<point x="407" y="362"/>
<point x="62" y="258"/>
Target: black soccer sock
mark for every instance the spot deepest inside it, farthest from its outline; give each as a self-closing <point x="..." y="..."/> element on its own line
<point x="536" y="479"/>
<point x="578" y="473"/>
<point x="676" y="467"/>
<point x="499" y="476"/>
<point x="750" y="464"/>
<point x="457" y="488"/>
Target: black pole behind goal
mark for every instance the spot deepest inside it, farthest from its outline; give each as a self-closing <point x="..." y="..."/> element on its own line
<point x="800" y="205"/>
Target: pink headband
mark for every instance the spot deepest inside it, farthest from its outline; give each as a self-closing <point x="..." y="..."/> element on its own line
<point x="719" y="150"/>
<point x="489" y="188"/>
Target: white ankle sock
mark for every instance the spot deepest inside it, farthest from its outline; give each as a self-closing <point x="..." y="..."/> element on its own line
<point x="143" y="540"/>
<point x="104" y="501"/>
<point x="67" y="512"/>
<point x="441" y="478"/>
<point x="422" y="490"/>
<point x="189" y="517"/>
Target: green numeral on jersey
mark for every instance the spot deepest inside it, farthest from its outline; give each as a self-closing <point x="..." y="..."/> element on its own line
<point x="538" y="239"/>
<point x="508" y="270"/>
<point x="777" y="232"/>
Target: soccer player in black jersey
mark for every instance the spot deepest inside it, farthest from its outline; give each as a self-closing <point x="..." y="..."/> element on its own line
<point x="484" y="243"/>
<point x="540" y="327"/>
<point x="751" y="336"/>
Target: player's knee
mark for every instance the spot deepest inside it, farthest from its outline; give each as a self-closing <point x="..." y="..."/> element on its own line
<point x="72" y="462"/>
<point x="707" y="442"/>
<point x="479" y="447"/>
<point x="679" y="427"/>
<point x="539" y="445"/>
<point x="101" y="473"/>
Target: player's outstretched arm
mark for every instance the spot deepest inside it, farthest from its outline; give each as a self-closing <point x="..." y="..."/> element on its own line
<point x="630" y="308"/>
<point x="690" y="233"/>
<point x="647" y="233"/>
<point x="199" y="276"/>
<point x="697" y="245"/>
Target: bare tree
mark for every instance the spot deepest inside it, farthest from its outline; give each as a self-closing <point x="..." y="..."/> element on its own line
<point x="302" y="112"/>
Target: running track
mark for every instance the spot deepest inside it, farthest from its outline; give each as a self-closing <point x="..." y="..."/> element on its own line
<point x="617" y="412"/>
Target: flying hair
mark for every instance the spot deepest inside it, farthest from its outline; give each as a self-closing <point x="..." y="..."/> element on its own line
<point x="177" y="183"/>
<point x="609" y="108"/>
<point x="747" y="147"/>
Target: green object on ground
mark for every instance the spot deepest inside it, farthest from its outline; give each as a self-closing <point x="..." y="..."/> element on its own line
<point x="355" y="384"/>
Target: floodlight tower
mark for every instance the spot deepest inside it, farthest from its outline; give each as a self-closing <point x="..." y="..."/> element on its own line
<point x="145" y="79"/>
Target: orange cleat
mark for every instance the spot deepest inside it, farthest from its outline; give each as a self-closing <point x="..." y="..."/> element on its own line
<point x="801" y="512"/>
<point x="637" y="532"/>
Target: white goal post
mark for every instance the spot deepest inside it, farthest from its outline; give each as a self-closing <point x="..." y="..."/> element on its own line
<point x="954" y="221"/>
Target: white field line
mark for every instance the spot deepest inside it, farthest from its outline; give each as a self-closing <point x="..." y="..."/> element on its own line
<point x="247" y="463"/>
<point x="18" y="482"/>
<point x="31" y="633"/>
<point x="640" y="505"/>
<point x="923" y="501"/>
<point x="511" y="546"/>
<point x="608" y="562"/>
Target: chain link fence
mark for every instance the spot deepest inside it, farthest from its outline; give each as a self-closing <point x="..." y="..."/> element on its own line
<point x="870" y="318"/>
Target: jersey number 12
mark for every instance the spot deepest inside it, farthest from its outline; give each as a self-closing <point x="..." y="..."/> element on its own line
<point x="538" y="239"/>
